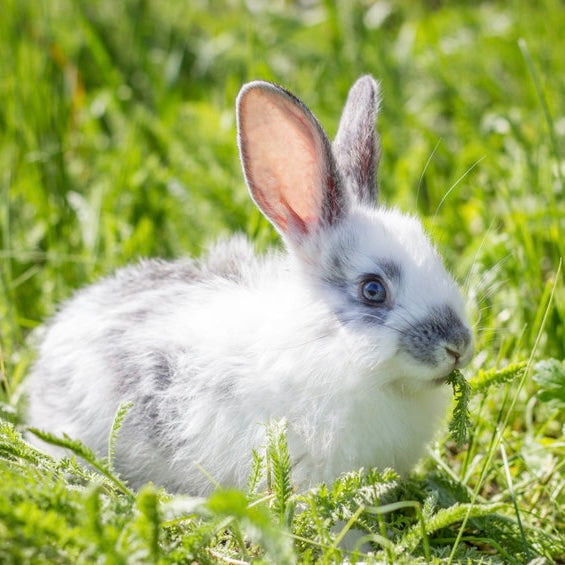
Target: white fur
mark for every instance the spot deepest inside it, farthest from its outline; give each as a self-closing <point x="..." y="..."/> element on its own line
<point x="238" y="340"/>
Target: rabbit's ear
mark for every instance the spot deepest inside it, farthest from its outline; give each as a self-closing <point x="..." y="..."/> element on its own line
<point x="287" y="161"/>
<point x="356" y="147"/>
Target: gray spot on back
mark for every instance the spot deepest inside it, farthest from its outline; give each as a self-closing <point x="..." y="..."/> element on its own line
<point x="163" y="371"/>
<point x="233" y="259"/>
<point x="152" y="274"/>
<point x="148" y="406"/>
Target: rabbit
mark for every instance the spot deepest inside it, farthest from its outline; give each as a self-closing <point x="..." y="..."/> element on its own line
<point x="347" y="333"/>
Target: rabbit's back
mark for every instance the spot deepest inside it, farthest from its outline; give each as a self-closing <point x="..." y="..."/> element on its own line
<point x="128" y="338"/>
<point x="186" y="343"/>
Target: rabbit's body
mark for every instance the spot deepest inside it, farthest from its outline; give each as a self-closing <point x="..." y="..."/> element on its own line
<point x="347" y="336"/>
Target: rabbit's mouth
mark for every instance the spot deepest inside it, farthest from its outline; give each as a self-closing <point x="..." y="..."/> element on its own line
<point x="438" y="381"/>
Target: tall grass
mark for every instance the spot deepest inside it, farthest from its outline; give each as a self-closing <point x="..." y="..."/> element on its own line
<point x="117" y="140"/>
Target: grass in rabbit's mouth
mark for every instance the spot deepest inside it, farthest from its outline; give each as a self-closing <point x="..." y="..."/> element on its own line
<point x="461" y="422"/>
<point x="445" y="379"/>
<point x="117" y="141"/>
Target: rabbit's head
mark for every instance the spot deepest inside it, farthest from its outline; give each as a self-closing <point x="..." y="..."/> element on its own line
<point x="374" y="267"/>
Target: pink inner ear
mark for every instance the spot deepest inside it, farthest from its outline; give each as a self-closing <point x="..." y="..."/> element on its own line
<point x="284" y="160"/>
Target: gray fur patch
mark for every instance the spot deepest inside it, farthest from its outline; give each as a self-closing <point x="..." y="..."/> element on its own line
<point x="391" y="270"/>
<point x="421" y="339"/>
<point x="152" y="274"/>
<point x="350" y="309"/>
<point x="338" y="269"/>
<point x="148" y="406"/>
<point x="230" y="259"/>
<point x="163" y="371"/>
<point x="153" y="417"/>
<point x="375" y="316"/>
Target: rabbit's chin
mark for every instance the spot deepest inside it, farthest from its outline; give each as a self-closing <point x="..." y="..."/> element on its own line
<point x="412" y="376"/>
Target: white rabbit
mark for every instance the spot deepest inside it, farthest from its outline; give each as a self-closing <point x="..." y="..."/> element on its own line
<point x="348" y="334"/>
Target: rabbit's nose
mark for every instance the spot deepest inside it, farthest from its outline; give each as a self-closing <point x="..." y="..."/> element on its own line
<point x="459" y="353"/>
<point x="453" y="352"/>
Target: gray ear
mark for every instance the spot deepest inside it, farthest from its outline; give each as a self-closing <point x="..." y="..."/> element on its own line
<point x="355" y="147"/>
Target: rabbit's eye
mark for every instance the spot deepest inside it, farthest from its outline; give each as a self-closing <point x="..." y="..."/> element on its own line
<point x="373" y="291"/>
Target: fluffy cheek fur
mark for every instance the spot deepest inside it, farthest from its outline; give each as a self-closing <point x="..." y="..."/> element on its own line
<point x="347" y="408"/>
<point x="374" y="421"/>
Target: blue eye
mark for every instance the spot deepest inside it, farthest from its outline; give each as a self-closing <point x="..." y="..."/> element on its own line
<point x="373" y="292"/>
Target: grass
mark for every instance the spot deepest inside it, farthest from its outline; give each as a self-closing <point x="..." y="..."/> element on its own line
<point x="117" y="140"/>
